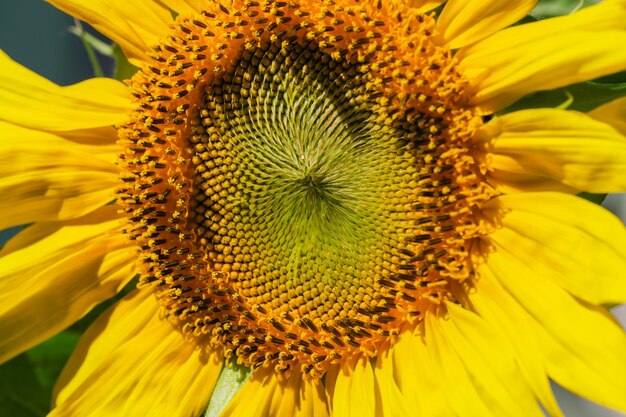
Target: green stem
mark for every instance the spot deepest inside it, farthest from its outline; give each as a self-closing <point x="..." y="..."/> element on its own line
<point x="90" y="43"/>
<point x="97" y="69"/>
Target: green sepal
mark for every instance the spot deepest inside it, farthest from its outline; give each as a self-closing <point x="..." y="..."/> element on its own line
<point x="124" y="70"/>
<point x="231" y="379"/>
<point x="552" y="8"/>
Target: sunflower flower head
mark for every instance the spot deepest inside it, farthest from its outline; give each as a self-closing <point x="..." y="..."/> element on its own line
<point x="301" y="178"/>
<point x="336" y="195"/>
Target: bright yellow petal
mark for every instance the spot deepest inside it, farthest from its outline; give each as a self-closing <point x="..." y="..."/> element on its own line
<point x="482" y="375"/>
<point x="266" y="395"/>
<point x="30" y="100"/>
<point x="259" y="397"/>
<point x="185" y="7"/>
<point x="582" y="345"/>
<point x="393" y="402"/>
<point x="419" y="378"/>
<point x="312" y="401"/>
<point x="613" y="113"/>
<point x="354" y="394"/>
<point x="35" y="232"/>
<point x="44" y="177"/>
<point x="131" y="362"/>
<point x="567" y="241"/>
<point x="423" y="5"/>
<point x="330" y="380"/>
<point x="106" y="135"/>
<point x="26" y="200"/>
<point x="550" y="149"/>
<point x="463" y="22"/>
<point x="500" y="311"/>
<point x="547" y="54"/>
<point x="460" y="391"/>
<point x="50" y="284"/>
<point x="285" y="399"/>
<point x="134" y="25"/>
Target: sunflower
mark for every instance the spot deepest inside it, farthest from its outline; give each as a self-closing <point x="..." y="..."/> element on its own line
<point x="330" y="194"/>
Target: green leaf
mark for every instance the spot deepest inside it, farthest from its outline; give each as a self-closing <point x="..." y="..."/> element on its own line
<point x="21" y="394"/>
<point x="230" y="381"/>
<point x="50" y="357"/>
<point x="594" y="198"/>
<point x="27" y="380"/>
<point x="617" y="78"/>
<point x="582" y="97"/>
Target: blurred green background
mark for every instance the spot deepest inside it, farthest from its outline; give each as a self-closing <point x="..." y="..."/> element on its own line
<point x="37" y="35"/>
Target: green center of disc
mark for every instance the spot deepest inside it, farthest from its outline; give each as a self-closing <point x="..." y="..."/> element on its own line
<point x="299" y="182"/>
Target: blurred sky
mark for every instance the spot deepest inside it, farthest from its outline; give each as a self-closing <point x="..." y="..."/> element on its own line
<point x="36" y="35"/>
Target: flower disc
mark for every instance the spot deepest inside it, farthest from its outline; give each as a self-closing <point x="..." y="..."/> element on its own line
<point x="299" y="178"/>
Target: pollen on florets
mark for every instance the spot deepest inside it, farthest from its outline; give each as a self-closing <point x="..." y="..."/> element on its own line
<point x="300" y="178"/>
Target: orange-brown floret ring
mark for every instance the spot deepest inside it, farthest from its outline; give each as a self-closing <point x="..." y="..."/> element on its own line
<point x="413" y="81"/>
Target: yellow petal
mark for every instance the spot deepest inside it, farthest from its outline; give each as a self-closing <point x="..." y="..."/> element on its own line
<point x="482" y="375"/>
<point x="134" y="25"/>
<point x="34" y="149"/>
<point x="185" y="7"/>
<point x="31" y="234"/>
<point x="393" y="402"/>
<point x="45" y="177"/>
<point x="566" y="240"/>
<point x="312" y="400"/>
<point x="266" y="395"/>
<point x="354" y="394"/>
<point x="463" y="22"/>
<point x="613" y="113"/>
<point x="131" y="362"/>
<point x="259" y="397"/>
<point x="582" y="345"/>
<point x="30" y="100"/>
<point x="460" y="391"/>
<point x="50" y="284"/>
<point x="330" y="380"/>
<point x="500" y="310"/>
<point x="106" y="135"/>
<point x="419" y="378"/>
<point x="423" y="5"/>
<point x="550" y="149"/>
<point x="547" y="54"/>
